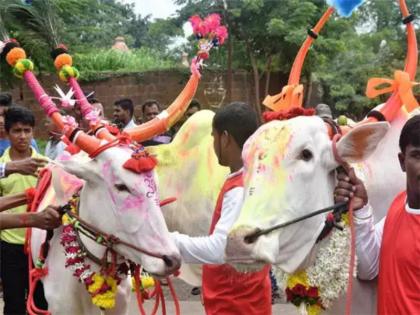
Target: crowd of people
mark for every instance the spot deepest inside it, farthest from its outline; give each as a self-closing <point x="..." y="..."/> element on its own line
<point x="225" y="291"/>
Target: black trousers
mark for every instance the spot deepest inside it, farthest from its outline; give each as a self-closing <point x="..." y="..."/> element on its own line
<point x="14" y="273"/>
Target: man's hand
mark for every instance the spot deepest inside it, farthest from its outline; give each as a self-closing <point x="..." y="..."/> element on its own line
<point x="349" y="186"/>
<point x="48" y="219"/>
<point x="27" y="166"/>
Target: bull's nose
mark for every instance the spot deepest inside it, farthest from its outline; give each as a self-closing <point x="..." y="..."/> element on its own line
<point x="172" y="262"/>
<point x="237" y="247"/>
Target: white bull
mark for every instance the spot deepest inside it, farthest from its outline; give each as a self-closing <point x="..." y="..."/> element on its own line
<point x="116" y="201"/>
<point x="289" y="172"/>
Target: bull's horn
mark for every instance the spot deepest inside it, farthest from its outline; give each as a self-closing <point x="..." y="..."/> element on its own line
<point x="16" y="57"/>
<point x="64" y="65"/>
<point x="167" y="118"/>
<point x="290" y="97"/>
<point x="394" y="102"/>
<point x="85" y="142"/>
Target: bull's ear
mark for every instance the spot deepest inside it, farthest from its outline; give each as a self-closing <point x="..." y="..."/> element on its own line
<point x="361" y="141"/>
<point x="85" y="169"/>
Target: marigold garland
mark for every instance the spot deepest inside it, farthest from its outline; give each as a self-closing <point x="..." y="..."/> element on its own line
<point x="102" y="288"/>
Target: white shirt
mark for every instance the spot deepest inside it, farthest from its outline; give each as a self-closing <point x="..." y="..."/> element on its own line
<point x="211" y="249"/>
<point x="131" y="124"/>
<point x="54" y="149"/>
<point x="368" y="241"/>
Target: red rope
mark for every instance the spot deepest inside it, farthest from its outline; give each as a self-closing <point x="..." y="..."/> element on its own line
<point x="167" y="201"/>
<point x="352" y="259"/>
<point x="35" y="274"/>
<point x="159" y="295"/>
<point x="174" y="296"/>
<point x="347" y="169"/>
<point x="163" y="300"/>
<point x="137" y="281"/>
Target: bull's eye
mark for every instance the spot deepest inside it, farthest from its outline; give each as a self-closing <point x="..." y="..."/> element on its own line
<point x="306" y="155"/>
<point x="122" y="187"/>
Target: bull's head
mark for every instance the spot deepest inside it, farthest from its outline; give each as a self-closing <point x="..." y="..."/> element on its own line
<point x="124" y="203"/>
<point x="288" y="172"/>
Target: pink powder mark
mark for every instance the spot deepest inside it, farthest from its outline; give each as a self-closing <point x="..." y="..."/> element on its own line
<point x="107" y="171"/>
<point x="64" y="156"/>
<point x="133" y="202"/>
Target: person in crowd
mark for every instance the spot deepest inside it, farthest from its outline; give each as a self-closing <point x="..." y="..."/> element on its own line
<point x="54" y="145"/>
<point x="389" y="250"/>
<point x="226" y="291"/>
<point x="6" y="101"/>
<point x="123" y="114"/>
<point x="47" y="219"/>
<point x="192" y="108"/>
<point x="151" y="109"/>
<point x="323" y="111"/>
<point x="19" y="124"/>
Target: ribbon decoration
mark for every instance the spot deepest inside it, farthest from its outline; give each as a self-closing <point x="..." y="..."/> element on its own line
<point x="290" y="97"/>
<point x="400" y="84"/>
<point x="66" y="99"/>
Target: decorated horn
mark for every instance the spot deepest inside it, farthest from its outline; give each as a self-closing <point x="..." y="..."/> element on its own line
<point x="402" y="84"/>
<point x="63" y="62"/>
<point x="167" y="118"/>
<point x="292" y="94"/>
<point x="22" y="68"/>
<point x="210" y="33"/>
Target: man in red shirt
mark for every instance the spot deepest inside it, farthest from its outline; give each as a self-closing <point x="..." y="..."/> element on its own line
<point x="225" y="290"/>
<point x="391" y="248"/>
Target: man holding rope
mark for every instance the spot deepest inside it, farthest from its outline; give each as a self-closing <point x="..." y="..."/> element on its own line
<point x="390" y="249"/>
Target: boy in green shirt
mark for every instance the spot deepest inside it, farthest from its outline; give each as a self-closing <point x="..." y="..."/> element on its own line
<point x="19" y="124"/>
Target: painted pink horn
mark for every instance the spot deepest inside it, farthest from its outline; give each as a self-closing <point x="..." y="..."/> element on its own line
<point x="78" y="137"/>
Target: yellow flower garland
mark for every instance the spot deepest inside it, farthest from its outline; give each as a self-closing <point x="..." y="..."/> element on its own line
<point x="105" y="300"/>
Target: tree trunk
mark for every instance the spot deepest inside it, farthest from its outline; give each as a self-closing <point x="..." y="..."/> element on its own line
<point x="268" y="74"/>
<point x="229" y="79"/>
<point x="256" y="81"/>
